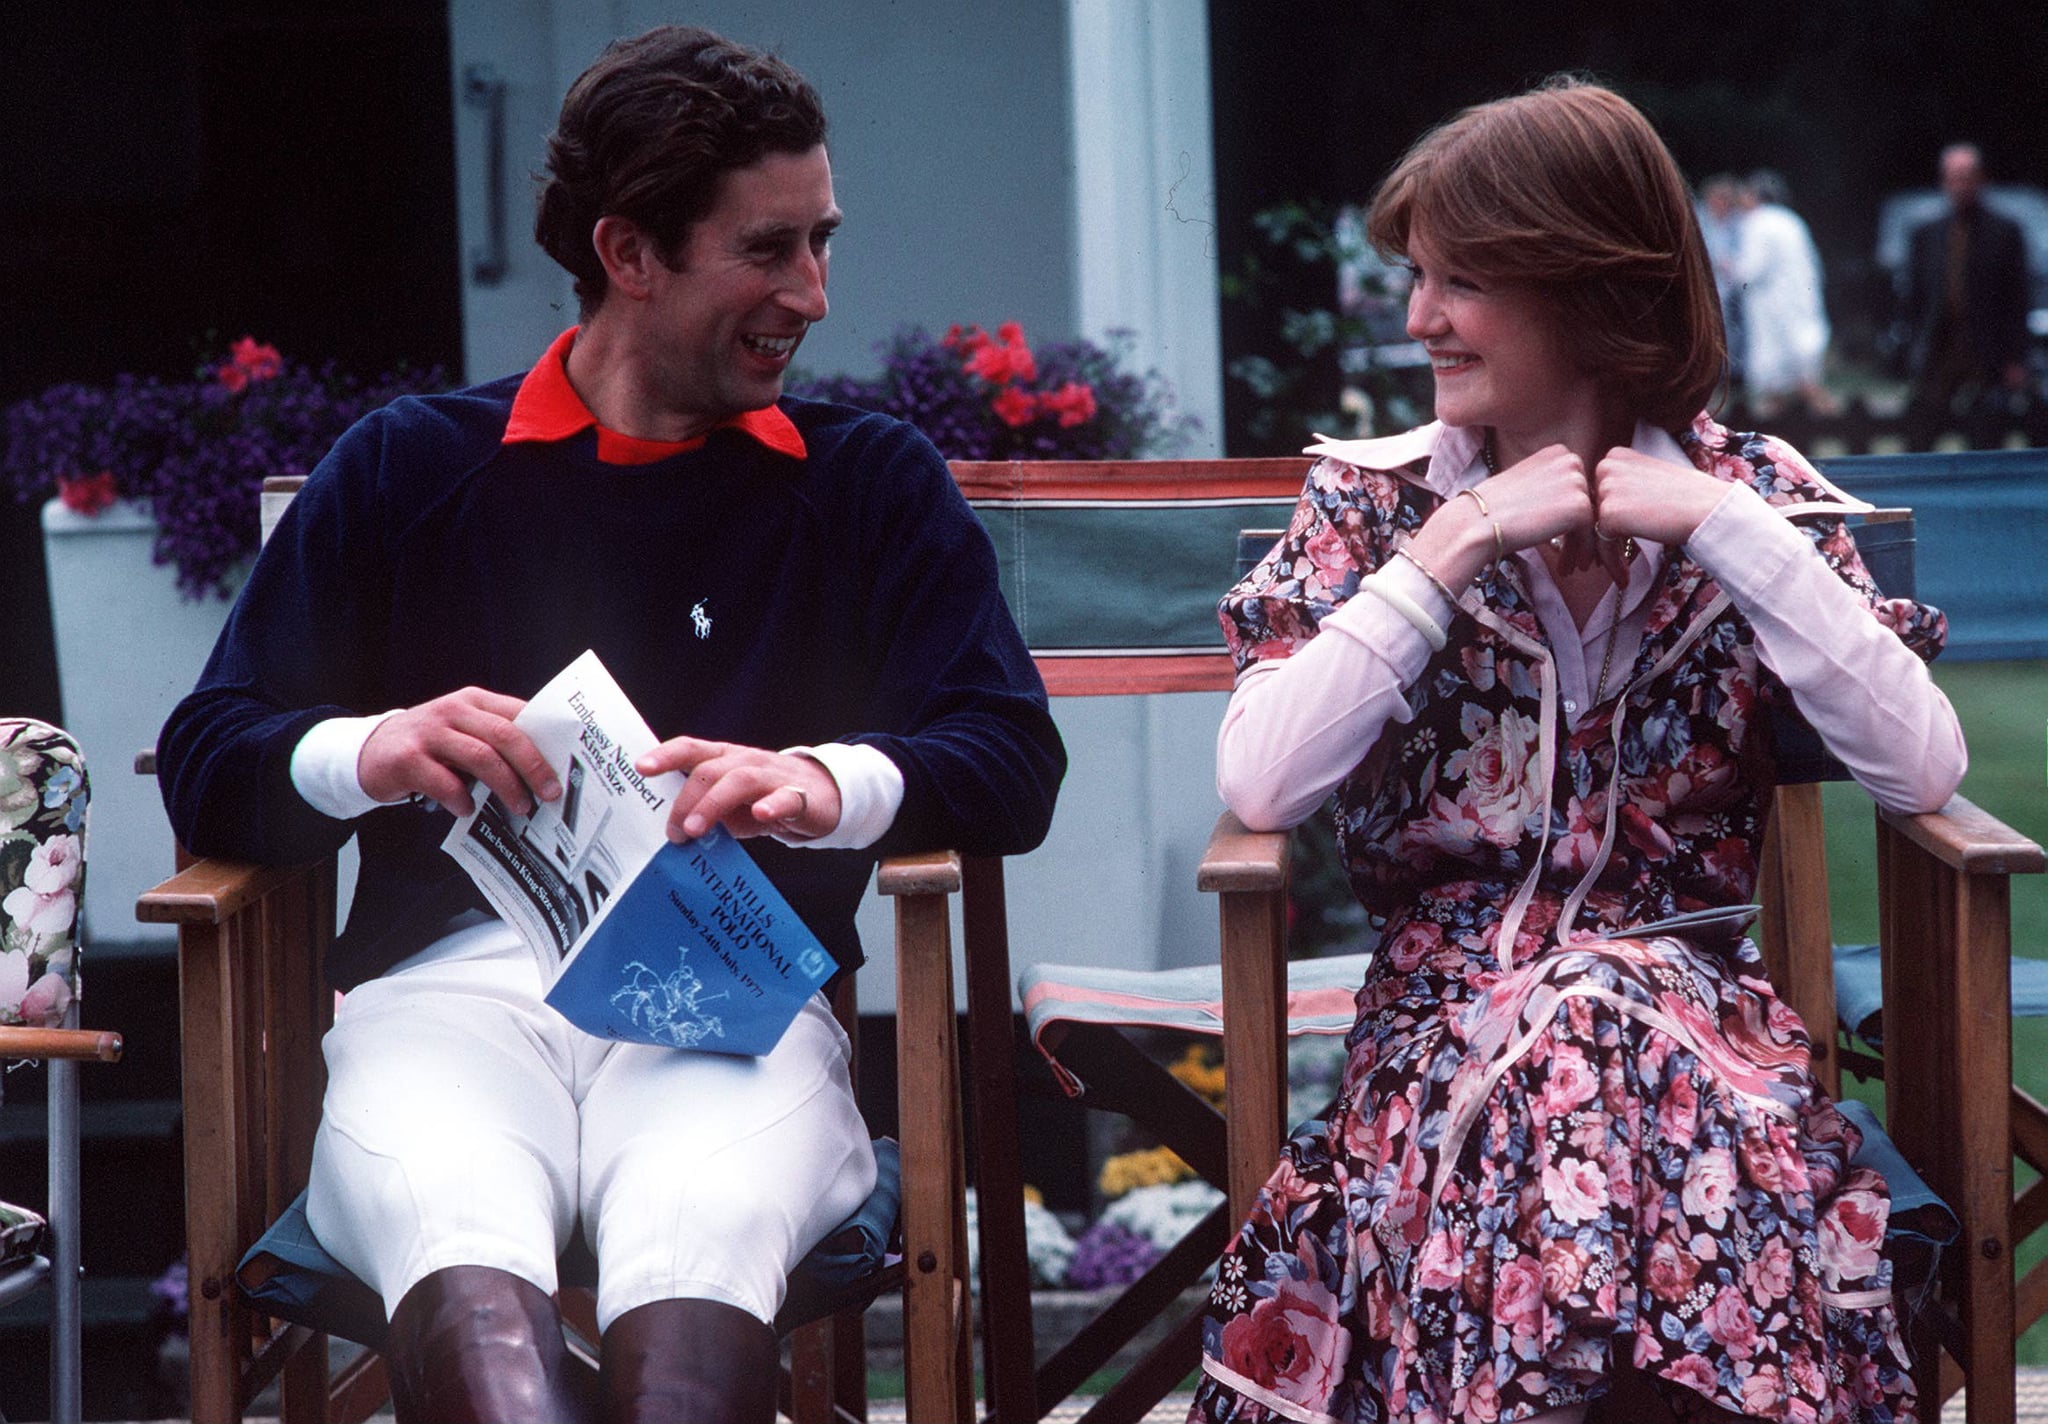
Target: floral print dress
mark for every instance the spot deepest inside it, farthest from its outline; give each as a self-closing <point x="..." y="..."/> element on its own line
<point x="1583" y="1152"/>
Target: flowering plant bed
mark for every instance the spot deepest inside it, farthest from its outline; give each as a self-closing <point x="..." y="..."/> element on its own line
<point x="983" y="397"/>
<point x="195" y="451"/>
<point x="1147" y="1197"/>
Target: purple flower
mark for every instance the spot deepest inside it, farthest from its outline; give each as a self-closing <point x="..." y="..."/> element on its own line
<point x="198" y="450"/>
<point x="172" y="1288"/>
<point x="1109" y="1253"/>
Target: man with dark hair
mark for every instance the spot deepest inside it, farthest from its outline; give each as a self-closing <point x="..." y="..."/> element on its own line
<point x="648" y="131"/>
<point x="1964" y="301"/>
<point x="794" y="594"/>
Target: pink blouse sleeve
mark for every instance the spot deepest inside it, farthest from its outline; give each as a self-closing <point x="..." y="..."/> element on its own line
<point x="1850" y="673"/>
<point x="1297" y="726"/>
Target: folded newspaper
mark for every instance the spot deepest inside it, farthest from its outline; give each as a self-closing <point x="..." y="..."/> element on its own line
<point x="641" y="939"/>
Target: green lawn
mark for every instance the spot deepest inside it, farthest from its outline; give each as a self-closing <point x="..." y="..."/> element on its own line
<point x="2004" y="709"/>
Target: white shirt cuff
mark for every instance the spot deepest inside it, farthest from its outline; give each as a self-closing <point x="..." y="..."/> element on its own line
<point x="870" y="794"/>
<point x="324" y="766"/>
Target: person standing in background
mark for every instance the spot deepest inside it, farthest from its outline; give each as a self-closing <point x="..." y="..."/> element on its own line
<point x="1964" y="302"/>
<point x="1720" y="213"/>
<point x="1783" y="312"/>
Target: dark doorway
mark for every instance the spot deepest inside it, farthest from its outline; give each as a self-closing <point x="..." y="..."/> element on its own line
<point x="176" y="175"/>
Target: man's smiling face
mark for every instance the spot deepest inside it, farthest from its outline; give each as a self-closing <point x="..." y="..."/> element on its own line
<point x="746" y="285"/>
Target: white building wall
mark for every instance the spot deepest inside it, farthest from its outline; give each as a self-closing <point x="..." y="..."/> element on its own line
<point x="1043" y="161"/>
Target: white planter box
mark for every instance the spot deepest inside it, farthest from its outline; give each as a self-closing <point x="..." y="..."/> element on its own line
<point x="129" y="645"/>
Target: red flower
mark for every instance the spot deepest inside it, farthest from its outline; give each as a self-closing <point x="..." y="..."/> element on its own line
<point x="87" y="494"/>
<point x="1000" y="365"/>
<point x="1073" y="403"/>
<point x="1002" y="360"/>
<point x="258" y="358"/>
<point x="1014" y="407"/>
<point x="249" y="360"/>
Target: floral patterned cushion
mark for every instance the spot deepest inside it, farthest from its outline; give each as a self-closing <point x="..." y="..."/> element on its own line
<point x="43" y="795"/>
<point x="21" y="1232"/>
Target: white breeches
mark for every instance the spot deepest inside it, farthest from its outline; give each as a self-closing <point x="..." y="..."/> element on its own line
<point x="466" y="1123"/>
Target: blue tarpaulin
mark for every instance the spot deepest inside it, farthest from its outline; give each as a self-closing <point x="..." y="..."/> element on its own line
<point x="1981" y="519"/>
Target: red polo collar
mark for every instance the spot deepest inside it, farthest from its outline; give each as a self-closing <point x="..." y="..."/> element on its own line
<point x="547" y="409"/>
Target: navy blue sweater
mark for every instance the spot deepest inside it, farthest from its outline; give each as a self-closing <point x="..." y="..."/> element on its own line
<point x="852" y="597"/>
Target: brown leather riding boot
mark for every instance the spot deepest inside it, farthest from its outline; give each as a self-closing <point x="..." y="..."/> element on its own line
<point x="689" y="1362"/>
<point x="477" y="1345"/>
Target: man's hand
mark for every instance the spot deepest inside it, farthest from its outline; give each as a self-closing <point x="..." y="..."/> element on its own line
<point x="439" y="748"/>
<point x="749" y="791"/>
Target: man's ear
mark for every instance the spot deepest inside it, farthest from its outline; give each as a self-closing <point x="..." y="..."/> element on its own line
<point x="627" y="253"/>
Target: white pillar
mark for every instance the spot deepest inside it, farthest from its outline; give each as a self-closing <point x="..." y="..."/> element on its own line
<point x="1145" y="192"/>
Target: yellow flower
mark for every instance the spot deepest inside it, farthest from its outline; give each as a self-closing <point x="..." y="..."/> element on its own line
<point x="1127" y="1171"/>
<point x="1199" y="1072"/>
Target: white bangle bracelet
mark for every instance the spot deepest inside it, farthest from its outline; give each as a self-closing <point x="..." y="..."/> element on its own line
<point x="1408" y="608"/>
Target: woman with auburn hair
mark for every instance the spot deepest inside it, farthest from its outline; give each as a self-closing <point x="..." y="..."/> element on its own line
<point x="1532" y="648"/>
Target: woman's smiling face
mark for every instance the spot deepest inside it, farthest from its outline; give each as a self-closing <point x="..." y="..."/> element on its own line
<point x="1496" y="349"/>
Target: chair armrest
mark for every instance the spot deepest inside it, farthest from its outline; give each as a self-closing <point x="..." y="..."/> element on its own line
<point x="1967" y="838"/>
<point x="935" y="872"/>
<point x="1241" y="859"/>
<point x="60" y="1043"/>
<point x="210" y="891"/>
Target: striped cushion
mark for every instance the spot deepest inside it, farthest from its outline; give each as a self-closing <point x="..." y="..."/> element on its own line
<point x="1320" y="994"/>
<point x="21" y="1233"/>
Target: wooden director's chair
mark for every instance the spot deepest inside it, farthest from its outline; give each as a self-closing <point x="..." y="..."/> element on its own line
<point x="1945" y="947"/>
<point x="252" y="1009"/>
<point x="1945" y="940"/>
<point x="1113" y="569"/>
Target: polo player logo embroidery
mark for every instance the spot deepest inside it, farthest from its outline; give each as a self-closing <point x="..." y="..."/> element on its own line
<point x="700" y="620"/>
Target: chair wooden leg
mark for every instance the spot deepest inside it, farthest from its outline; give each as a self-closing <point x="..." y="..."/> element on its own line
<point x="1247" y="872"/>
<point x="213" y="1066"/>
<point x="809" y="1384"/>
<point x="1798" y="938"/>
<point x="937" y="1331"/>
<point x="1254" y="1040"/>
<point x="297" y="1009"/>
<point x="1958" y="1039"/>
<point x="303" y="1387"/>
<point x="358" y="1390"/>
<point x="1121" y="1078"/>
<point x="1131" y="1398"/>
<point x="1009" y="1382"/>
